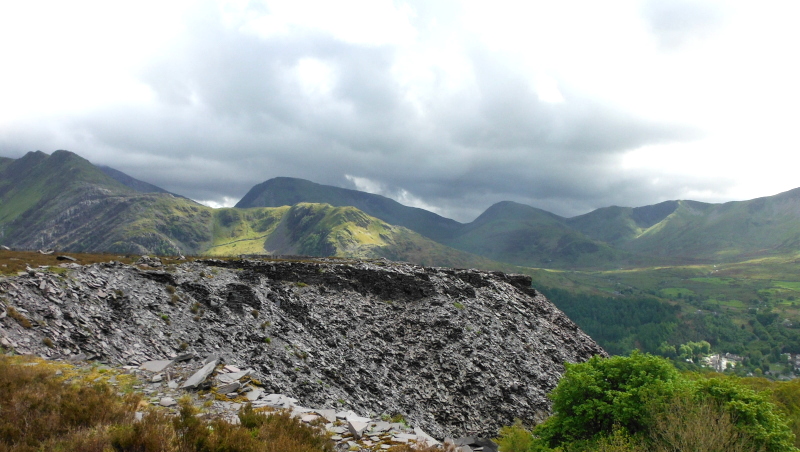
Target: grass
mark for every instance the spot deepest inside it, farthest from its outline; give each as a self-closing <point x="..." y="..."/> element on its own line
<point x="21" y="319"/>
<point x="12" y="262"/>
<point x="77" y="410"/>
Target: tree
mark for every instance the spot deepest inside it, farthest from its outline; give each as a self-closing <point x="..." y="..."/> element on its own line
<point x="643" y="397"/>
<point x="595" y="396"/>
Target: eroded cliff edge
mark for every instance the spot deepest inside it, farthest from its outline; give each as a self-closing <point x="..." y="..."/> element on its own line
<point x="455" y="351"/>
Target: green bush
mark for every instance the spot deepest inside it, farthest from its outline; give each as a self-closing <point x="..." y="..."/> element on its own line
<point x="641" y="403"/>
<point x="595" y="396"/>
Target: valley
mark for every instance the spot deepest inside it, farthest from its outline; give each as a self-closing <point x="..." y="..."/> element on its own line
<point x="726" y="274"/>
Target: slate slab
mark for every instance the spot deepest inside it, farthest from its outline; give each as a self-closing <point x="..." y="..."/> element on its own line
<point x="357" y="428"/>
<point x="156" y="366"/>
<point x="200" y="376"/>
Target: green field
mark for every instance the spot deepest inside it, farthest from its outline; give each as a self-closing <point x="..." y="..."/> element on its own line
<point x="748" y="308"/>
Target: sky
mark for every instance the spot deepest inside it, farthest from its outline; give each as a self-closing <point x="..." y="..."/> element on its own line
<point x="446" y="105"/>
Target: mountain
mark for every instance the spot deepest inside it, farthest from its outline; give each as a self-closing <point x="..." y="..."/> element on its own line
<point x="690" y="231"/>
<point x="615" y="225"/>
<point x="506" y="232"/>
<point x="287" y="191"/>
<point x="668" y="233"/>
<point x="324" y="230"/>
<point x="131" y="182"/>
<point x="63" y="201"/>
<point x="523" y="235"/>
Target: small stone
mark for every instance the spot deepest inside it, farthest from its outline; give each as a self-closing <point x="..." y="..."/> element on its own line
<point x="254" y="394"/>
<point x="233" y="387"/>
<point x="167" y="402"/>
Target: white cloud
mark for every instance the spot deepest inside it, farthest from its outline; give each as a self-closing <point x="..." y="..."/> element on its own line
<point x="218" y="204"/>
<point x="564" y="105"/>
<point x="400" y="195"/>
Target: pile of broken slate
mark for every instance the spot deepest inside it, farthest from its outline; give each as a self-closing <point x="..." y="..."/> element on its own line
<point x="456" y="352"/>
<point x="223" y="389"/>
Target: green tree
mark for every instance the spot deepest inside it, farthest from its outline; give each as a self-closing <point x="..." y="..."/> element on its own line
<point x="595" y="396"/>
<point x="645" y="399"/>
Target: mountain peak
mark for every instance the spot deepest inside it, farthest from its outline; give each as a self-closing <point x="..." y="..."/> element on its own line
<point x="288" y="191"/>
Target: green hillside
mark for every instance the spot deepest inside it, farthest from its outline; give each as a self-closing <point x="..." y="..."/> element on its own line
<point x="287" y="191"/>
<point x="325" y="230"/>
<point x="523" y="235"/>
<point x="615" y="225"/>
<point x="63" y="201"/>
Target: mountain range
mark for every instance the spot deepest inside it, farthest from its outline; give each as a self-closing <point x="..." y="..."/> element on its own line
<point x="64" y="201"/>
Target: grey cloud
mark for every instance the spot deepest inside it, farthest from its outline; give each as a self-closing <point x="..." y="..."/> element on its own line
<point x="231" y="113"/>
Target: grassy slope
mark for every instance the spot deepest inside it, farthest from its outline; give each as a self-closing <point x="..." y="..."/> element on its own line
<point x="324" y="230"/>
<point x="668" y="233"/>
<point x="523" y="235"/>
<point x="285" y="191"/>
<point x="727" y="232"/>
<point x="693" y="232"/>
<point x="616" y="225"/>
<point x="63" y="201"/>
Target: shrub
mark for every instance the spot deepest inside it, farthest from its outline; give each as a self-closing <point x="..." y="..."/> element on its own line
<point x="21" y="319"/>
<point x="641" y="403"/>
<point x="698" y="424"/>
<point x="38" y="411"/>
<point x="36" y="406"/>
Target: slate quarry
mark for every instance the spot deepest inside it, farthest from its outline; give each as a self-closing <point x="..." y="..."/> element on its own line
<point x="454" y="352"/>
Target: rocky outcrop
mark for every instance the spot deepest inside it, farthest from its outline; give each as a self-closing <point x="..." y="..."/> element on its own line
<point x="455" y="352"/>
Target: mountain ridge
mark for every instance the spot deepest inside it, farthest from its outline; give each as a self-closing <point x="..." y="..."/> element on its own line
<point x="63" y="201"/>
<point x="667" y="233"/>
<point x="46" y="199"/>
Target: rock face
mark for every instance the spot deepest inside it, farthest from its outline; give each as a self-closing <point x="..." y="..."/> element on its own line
<point x="455" y="352"/>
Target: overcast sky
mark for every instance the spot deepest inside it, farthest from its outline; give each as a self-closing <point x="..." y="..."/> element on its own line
<point x="447" y="105"/>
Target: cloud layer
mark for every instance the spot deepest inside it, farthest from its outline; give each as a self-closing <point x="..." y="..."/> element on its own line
<point x="452" y="106"/>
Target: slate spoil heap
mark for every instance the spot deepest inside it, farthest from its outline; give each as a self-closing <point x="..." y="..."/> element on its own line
<point x="454" y="352"/>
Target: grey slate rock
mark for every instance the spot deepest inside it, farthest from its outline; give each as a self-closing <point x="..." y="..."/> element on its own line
<point x="200" y="376"/>
<point x="167" y="402"/>
<point x="356" y="428"/>
<point x="229" y="388"/>
<point x="156" y="366"/>
<point x="254" y="394"/>
<point x="374" y="337"/>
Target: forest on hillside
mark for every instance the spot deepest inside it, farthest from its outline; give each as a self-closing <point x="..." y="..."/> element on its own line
<point x="647" y="323"/>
